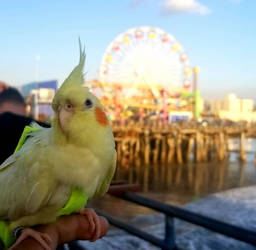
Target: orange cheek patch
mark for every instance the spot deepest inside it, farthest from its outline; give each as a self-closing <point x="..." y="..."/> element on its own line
<point x="101" y="116"/>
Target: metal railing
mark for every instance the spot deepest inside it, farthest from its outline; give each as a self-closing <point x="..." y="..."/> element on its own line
<point x="172" y="212"/>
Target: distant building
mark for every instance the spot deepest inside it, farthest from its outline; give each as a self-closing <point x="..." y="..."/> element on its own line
<point x="234" y="109"/>
<point x="247" y="105"/>
<point x="180" y="115"/>
<point x="39" y="96"/>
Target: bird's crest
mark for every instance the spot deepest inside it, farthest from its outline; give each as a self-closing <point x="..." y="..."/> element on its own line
<point x="77" y="75"/>
<point x="74" y="80"/>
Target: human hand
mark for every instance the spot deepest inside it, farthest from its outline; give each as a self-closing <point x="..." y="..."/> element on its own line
<point x="64" y="230"/>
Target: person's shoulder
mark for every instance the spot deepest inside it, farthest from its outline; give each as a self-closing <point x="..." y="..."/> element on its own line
<point x="19" y="120"/>
<point x="12" y="117"/>
<point x="44" y="124"/>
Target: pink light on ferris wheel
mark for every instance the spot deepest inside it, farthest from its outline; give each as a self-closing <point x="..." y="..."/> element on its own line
<point x="165" y="40"/>
<point x="139" y="34"/>
<point x="183" y="57"/>
<point x="116" y="48"/>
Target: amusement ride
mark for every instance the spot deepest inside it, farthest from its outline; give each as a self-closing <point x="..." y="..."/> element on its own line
<point x="145" y="72"/>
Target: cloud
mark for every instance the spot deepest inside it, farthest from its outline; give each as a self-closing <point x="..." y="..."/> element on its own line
<point x="236" y="1"/>
<point x="136" y="3"/>
<point x="185" y="6"/>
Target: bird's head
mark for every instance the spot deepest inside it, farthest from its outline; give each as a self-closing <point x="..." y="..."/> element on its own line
<point x="79" y="116"/>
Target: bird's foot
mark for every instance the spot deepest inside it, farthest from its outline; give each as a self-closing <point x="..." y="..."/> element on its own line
<point x="43" y="238"/>
<point x="94" y="222"/>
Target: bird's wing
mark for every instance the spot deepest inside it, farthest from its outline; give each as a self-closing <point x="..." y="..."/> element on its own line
<point x="106" y="182"/>
<point x="32" y="136"/>
<point x="23" y="192"/>
<point x="24" y="182"/>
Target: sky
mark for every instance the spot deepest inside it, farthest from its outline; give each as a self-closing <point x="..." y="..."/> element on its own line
<point x="39" y="39"/>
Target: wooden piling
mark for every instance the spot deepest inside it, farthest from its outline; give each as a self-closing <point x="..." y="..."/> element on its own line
<point x="159" y="145"/>
<point x="242" y="154"/>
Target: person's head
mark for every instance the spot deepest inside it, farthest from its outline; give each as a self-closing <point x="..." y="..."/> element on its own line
<point x="12" y="101"/>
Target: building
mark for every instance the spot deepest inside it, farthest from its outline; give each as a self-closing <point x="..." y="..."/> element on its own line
<point x="39" y="96"/>
<point x="234" y="109"/>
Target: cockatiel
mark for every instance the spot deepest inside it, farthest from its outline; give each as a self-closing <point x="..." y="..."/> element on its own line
<point x="75" y="156"/>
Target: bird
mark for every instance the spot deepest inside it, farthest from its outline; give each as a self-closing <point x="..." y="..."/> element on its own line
<point x="74" y="159"/>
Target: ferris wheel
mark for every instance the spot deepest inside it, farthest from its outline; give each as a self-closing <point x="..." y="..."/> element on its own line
<point x="146" y="56"/>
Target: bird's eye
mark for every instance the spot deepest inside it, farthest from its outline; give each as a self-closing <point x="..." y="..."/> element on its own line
<point x="68" y="106"/>
<point x="88" y="103"/>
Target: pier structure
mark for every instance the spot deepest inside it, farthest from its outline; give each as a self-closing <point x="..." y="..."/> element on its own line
<point x="179" y="144"/>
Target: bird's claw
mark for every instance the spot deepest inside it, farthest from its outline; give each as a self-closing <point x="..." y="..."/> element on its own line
<point x="43" y="238"/>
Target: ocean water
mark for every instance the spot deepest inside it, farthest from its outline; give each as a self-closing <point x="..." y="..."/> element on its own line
<point x="225" y="191"/>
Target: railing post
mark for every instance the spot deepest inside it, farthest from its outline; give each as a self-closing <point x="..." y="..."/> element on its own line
<point x="169" y="239"/>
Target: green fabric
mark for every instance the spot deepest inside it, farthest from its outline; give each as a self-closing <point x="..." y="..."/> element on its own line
<point x="5" y="235"/>
<point x="76" y="202"/>
<point x="23" y="137"/>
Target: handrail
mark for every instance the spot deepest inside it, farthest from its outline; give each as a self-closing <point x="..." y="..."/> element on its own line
<point x="194" y="218"/>
<point x="133" y="230"/>
<point x="171" y="212"/>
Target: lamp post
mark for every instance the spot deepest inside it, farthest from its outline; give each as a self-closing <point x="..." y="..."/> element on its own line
<point x="196" y="92"/>
<point x="36" y="100"/>
<point x="165" y="112"/>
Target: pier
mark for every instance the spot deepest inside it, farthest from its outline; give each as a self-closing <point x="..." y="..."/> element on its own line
<point x="152" y="144"/>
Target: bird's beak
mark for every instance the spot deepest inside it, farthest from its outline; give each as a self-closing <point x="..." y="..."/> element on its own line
<point x="64" y="117"/>
<point x="59" y="109"/>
